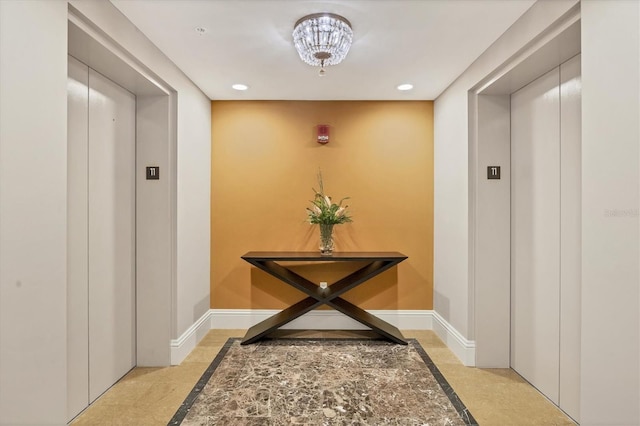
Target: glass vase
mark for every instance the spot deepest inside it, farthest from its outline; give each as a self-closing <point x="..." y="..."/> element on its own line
<point x="326" y="239"/>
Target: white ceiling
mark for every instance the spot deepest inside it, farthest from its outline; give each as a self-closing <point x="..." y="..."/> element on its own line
<point x="424" y="42"/>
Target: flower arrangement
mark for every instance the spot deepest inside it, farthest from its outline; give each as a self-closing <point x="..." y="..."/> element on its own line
<point x="325" y="212"/>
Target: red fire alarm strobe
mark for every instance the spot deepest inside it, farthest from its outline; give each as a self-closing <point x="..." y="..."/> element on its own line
<point x="323" y="133"/>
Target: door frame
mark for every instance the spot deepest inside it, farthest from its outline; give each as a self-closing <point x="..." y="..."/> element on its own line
<point x="490" y="200"/>
<point x="156" y="200"/>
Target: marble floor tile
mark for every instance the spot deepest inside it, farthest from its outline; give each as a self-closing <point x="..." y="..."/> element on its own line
<point x="324" y="381"/>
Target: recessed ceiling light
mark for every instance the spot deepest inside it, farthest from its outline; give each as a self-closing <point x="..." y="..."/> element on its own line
<point x="201" y="30"/>
<point x="404" y="87"/>
<point x="239" y="86"/>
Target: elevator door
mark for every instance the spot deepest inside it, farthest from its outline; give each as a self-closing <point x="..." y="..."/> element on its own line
<point x="535" y="233"/>
<point x="545" y="234"/>
<point x="101" y="229"/>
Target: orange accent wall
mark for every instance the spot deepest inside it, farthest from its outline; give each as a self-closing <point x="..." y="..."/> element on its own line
<point x="265" y="159"/>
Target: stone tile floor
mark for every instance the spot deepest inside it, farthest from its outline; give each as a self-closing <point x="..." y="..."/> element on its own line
<point x="150" y="396"/>
<point x="326" y="381"/>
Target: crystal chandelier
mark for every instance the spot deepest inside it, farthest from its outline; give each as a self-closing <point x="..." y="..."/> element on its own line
<point x="322" y="39"/>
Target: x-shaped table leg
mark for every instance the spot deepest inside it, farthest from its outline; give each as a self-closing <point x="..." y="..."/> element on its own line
<point x="327" y="296"/>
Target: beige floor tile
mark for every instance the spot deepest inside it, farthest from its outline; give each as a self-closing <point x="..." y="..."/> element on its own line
<point x="220" y="337"/>
<point x="440" y="355"/>
<point x="108" y="415"/>
<point x="141" y="373"/>
<point x="185" y="373"/>
<point x="165" y="394"/>
<point x="124" y="394"/>
<point x="203" y="354"/>
<point x="423" y="335"/>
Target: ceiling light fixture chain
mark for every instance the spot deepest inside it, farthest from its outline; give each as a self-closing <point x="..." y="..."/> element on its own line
<point x="322" y="39"/>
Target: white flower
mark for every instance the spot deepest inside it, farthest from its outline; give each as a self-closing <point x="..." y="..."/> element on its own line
<point x="323" y="211"/>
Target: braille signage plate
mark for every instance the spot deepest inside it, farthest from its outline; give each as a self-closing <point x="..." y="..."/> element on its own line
<point x="493" y="172"/>
<point x="153" y="173"/>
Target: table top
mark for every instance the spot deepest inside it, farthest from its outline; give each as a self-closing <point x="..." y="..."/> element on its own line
<point x="315" y="256"/>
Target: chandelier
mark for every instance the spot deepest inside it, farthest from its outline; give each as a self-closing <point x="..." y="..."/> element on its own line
<point x="322" y="39"/>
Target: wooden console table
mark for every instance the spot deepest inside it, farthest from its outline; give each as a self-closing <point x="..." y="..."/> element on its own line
<point x="377" y="262"/>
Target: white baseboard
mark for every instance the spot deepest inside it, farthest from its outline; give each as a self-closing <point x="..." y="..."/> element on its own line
<point x="183" y="345"/>
<point x="464" y="349"/>
<point x="320" y="319"/>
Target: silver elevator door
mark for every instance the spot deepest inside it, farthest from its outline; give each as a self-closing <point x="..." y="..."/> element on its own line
<point x="545" y="234"/>
<point x="101" y="230"/>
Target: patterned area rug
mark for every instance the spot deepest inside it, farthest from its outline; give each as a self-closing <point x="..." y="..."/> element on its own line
<point x="322" y="382"/>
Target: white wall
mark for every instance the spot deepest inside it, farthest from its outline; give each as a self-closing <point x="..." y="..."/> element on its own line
<point x="610" y="219"/>
<point x="153" y="241"/>
<point x="453" y="286"/>
<point x="493" y="208"/>
<point x="33" y="212"/>
<point x="33" y="198"/>
<point x="191" y="297"/>
<point x="610" y="371"/>
<point x="194" y="204"/>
